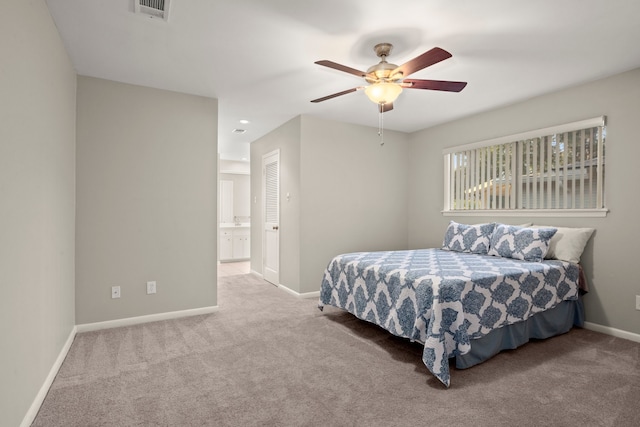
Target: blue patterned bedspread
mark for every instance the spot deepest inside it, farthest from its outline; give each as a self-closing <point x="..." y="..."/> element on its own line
<point x="444" y="299"/>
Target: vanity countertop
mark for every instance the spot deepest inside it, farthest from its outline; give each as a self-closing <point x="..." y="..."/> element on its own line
<point x="235" y="225"/>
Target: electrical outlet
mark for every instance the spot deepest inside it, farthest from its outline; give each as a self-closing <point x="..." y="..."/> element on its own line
<point x="115" y="292"/>
<point x="151" y="287"/>
<point x="637" y="302"/>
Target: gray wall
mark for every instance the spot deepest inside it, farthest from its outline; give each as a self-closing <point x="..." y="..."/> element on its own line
<point x="354" y="194"/>
<point x="611" y="257"/>
<point x="37" y="206"/>
<point x="335" y="174"/>
<point x="234" y="166"/>
<point x="146" y="200"/>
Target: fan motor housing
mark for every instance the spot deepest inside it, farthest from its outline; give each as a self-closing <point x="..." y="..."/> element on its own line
<point x="382" y="72"/>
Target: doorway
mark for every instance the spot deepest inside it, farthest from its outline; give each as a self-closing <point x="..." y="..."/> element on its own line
<point x="234" y="221"/>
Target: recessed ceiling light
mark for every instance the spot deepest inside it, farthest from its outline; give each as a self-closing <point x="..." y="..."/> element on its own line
<point x="244" y="121"/>
<point x="239" y="131"/>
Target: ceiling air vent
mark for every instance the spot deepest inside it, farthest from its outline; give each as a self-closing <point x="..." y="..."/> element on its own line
<point x="240" y="131"/>
<point x="152" y="8"/>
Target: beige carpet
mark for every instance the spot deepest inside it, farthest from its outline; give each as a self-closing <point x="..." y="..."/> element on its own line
<point x="267" y="358"/>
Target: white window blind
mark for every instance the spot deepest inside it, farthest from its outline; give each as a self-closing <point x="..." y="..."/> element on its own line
<point x="547" y="170"/>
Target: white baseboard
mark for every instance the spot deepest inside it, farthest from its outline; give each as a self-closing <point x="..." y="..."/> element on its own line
<point x="299" y="295"/>
<point x="87" y="327"/>
<point x="291" y="291"/>
<point x="315" y="294"/>
<point x="612" y="331"/>
<point x="30" y="416"/>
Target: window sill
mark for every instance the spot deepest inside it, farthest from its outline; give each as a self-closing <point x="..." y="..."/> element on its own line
<point x="549" y="213"/>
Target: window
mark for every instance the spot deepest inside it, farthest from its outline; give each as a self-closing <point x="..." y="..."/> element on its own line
<point x="553" y="171"/>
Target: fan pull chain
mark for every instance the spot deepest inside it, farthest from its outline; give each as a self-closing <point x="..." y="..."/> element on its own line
<point x="381" y="124"/>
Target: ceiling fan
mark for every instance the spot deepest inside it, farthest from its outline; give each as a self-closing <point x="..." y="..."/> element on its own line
<point x="387" y="80"/>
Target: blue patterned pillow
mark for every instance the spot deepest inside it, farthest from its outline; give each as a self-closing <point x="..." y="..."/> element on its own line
<point x="468" y="238"/>
<point x="528" y="244"/>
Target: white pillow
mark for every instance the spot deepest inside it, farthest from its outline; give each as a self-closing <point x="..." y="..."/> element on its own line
<point x="568" y="243"/>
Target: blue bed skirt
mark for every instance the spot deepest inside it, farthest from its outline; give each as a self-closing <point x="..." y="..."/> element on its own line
<point x="555" y="321"/>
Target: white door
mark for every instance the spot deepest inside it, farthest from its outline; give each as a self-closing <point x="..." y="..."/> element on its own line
<point x="271" y="216"/>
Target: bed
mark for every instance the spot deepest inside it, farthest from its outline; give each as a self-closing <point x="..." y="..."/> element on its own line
<point x="467" y="303"/>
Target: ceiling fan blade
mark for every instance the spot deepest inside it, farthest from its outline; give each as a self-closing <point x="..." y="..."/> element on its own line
<point x="387" y="106"/>
<point x="344" y="92"/>
<point x="341" y="67"/>
<point x="428" y="58"/>
<point x="444" y="85"/>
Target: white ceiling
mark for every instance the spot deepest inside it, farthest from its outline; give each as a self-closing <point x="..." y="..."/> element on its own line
<point x="257" y="56"/>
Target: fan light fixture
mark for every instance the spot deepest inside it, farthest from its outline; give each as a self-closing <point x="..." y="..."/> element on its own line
<point x="383" y="92"/>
